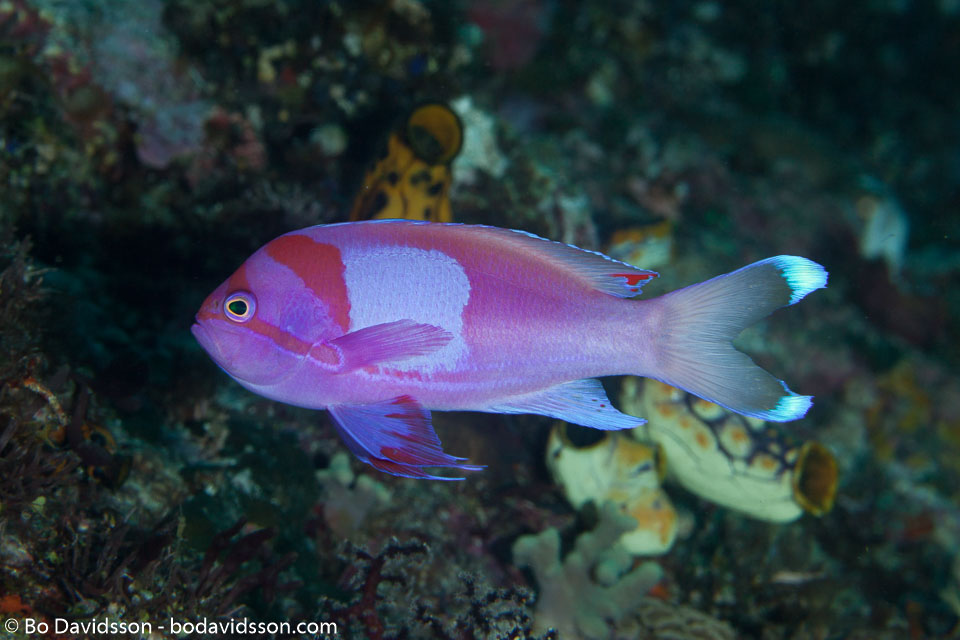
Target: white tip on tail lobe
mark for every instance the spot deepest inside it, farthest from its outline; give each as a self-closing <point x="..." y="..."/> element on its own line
<point x="695" y="350"/>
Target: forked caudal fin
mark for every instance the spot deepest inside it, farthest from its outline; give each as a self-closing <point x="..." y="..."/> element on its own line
<point x="700" y="321"/>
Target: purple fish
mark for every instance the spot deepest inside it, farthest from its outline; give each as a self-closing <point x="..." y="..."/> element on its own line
<point x="381" y="322"/>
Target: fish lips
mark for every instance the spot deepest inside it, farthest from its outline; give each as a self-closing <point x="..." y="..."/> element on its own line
<point x="244" y="360"/>
<point x="211" y="338"/>
<point x="206" y="340"/>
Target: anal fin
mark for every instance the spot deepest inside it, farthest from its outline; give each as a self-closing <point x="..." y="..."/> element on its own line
<point x="395" y="436"/>
<point x="582" y="402"/>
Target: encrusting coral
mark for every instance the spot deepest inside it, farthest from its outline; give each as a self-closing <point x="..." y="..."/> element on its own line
<point x="349" y="498"/>
<point x="661" y="621"/>
<point x="593" y="586"/>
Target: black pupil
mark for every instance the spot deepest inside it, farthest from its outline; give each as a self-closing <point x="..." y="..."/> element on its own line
<point x="237" y="307"/>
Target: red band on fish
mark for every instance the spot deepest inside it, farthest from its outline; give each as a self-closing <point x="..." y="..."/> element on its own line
<point x="281" y="338"/>
<point x="633" y="278"/>
<point x="320" y="267"/>
<point x="239" y="280"/>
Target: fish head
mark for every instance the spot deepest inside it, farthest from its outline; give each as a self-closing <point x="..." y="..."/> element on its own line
<point x="223" y="328"/>
<point x="249" y="324"/>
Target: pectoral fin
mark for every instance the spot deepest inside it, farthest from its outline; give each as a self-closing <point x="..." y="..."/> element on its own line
<point x="380" y="344"/>
<point x="395" y="436"/>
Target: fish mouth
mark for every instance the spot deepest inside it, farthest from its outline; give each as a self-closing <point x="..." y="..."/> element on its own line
<point x="223" y="351"/>
<point x="206" y="340"/>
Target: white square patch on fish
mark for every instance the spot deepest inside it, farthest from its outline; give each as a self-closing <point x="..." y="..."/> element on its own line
<point x="428" y="286"/>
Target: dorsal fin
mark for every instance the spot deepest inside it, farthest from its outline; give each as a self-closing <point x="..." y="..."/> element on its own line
<point x="596" y="270"/>
<point x="599" y="271"/>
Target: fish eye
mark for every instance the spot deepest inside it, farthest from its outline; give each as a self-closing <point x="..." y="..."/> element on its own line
<point x="240" y="306"/>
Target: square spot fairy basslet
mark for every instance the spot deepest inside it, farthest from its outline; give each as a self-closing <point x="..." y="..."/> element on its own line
<point x="381" y="322"/>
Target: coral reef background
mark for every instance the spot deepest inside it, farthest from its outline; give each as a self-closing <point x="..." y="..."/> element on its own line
<point x="147" y="147"/>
